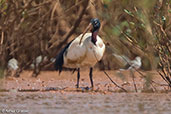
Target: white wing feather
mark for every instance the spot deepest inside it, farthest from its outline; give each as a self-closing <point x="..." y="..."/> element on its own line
<point x="86" y="53"/>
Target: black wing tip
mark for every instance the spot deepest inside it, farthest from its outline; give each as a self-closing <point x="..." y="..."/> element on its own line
<point x="60" y="58"/>
<point x="126" y="66"/>
<point x="59" y="63"/>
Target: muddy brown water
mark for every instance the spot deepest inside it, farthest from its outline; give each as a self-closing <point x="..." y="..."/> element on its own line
<point x="104" y="99"/>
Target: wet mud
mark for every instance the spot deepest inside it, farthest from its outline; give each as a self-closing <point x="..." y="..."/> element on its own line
<point x="54" y="93"/>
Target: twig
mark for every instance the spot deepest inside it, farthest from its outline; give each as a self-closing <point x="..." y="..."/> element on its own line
<point x="152" y="81"/>
<point x="109" y="76"/>
<point x="159" y="84"/>
<point x="169" y="84"/>
<point x="2" y="37"/>
<point x="66" y="12"/>
<point x="133" y="79"/>
<point x="161" y="28"/>
<point x="142" y="75"/>
<point x="153" y="87"/>
<point x="114" y="82"/>
<point x="73" y="28"/>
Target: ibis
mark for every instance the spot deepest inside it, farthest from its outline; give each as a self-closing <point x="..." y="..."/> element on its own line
<point x="12" y="68"/>
<point x="135" y="64"/>
<point x="129" y="64"/>
<point x="37" y="61"/>
<point x="13" y="64"/>
<point x="84" y="51"/>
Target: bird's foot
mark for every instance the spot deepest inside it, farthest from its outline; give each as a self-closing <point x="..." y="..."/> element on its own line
<point x="77" y="86"/>
<point x="34" y="75"/>
<point x="87" y="88"/>
<point x="83" y="88"/>
<point x="90" y="88"/>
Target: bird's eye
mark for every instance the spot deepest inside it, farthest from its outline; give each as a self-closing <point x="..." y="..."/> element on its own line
<point x="95" y="23"/>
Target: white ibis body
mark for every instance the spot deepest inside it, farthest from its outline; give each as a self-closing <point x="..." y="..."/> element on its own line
<point x="84" y="51"/>
<point x="136" y="63"/>
<point x="129" y="64"/>
<point x="13" y="68"/>
<point x="13" y="64"/>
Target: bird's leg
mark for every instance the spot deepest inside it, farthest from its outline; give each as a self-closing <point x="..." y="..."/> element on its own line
<point x="74" y="71"/>
<point x="91" y="75"/>
<point x="78" y="77"/>
<point x="133" y="79"/>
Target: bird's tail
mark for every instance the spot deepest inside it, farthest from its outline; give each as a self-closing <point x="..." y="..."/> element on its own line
<point x="59" y="62"/>
<point x="60" y="58"/>
<point x="58" y="66"/>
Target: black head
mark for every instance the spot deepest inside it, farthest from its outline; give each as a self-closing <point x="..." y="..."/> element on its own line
<point x="96" y="24"/>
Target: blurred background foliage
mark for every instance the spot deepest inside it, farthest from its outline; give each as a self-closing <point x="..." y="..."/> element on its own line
<point x="29" y="28"/>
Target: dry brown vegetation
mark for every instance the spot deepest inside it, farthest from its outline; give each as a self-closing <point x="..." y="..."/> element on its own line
<point x="29" y="28"/>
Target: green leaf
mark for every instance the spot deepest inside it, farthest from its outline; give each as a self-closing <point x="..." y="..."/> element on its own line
<point x="125" y="23"/>
<point x="116" y="30"/>
<point x="128" y="12"/>
<point x="128" y="31"/>
<point x="142" y="25"/>
<point x="169" y="10"/>
<point x="132" y="23"/>
<point x="106" y="3"/>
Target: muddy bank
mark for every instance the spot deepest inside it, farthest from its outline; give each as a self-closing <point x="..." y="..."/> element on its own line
<point x="51" y="93"/>
<point x="67" y="81"/>
<point x="63" y="103"/>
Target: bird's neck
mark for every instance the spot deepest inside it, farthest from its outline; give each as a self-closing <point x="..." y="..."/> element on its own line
<point x="94" y="37"/>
